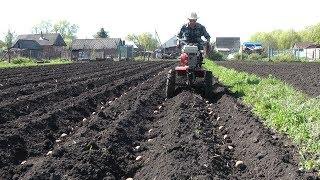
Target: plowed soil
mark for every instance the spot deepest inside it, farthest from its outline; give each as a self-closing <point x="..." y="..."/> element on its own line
<point x="112" y="121"/>
<point x="303" y="76"/>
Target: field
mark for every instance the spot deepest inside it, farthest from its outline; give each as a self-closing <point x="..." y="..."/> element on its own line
<point x="111" y="120"/>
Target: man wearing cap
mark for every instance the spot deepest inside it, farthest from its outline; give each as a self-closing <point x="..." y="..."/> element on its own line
<point x="193" y="31"/>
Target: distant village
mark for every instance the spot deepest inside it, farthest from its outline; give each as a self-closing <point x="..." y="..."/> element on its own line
<point x="52" y="45"/>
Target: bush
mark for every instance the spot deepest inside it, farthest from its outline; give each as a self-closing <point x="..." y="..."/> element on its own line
<point x="215" y="56"/>
<point x="59" y="60"/>
<point x="255" y="56"/>
<point x="284" y="57"/>
<point x="237" y="56"/>
<point x="21" y="60"/>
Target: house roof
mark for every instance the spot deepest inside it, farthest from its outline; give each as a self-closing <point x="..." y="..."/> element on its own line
<point x="172" y="42"/>
<point x="305" y="45"/>
<point x="27" y="44"/>
<point x="99" y="43"/>
<point x="49" y="39"/>
<point x="131" y="43"/>
<point x="228" y="42"/>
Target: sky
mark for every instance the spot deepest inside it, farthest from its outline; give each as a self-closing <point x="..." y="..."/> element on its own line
<point x="227" y="18"/>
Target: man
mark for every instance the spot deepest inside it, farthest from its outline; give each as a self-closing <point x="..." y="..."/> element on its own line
<point x="193" y="31"/>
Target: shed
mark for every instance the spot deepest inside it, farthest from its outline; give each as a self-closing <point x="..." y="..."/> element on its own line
<point x="96" y="49"/>
<point x="307" y="50"/>
<point x="40" y="46"/>
<point x="227" y="44"/>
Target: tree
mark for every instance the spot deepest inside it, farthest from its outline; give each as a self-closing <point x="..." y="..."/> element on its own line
<point x="277" y="39"/>
<point x="266" y="39"/>
<point x="2" y="44"/>
<point x="43" y="26"/>
<point x="66" y="29"/>
<point x="311" y="34"/>
<point x="288" y="38"/>
<point x="9" y="39"/>
<point x="102" y="34"/>
<point x="144" y="40"/>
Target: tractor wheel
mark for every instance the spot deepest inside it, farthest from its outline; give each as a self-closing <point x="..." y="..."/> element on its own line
<point x="171" y="84"/>
<point x="208" y="84"/>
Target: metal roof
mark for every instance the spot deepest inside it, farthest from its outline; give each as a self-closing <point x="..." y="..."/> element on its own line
<point x="99" y="43"/>
<point x="27" y="44"/>
<point x="305" y="45"/>
<point x="228" y="42"/>
<point x="49" y="39"/>
<point x="172" y="42"/>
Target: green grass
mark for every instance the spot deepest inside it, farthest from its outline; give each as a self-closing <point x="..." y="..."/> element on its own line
<point x="281" y="107"/>
<point x="25" y="62"/>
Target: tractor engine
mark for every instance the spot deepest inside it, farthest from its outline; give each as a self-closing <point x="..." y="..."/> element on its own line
<point x="189" y="56"/>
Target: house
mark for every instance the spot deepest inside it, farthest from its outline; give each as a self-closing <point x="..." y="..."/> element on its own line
<point x="227" y="45"/>
<point x="168" y="49"/>
<point x="39" y="46"/>
<point x="307" y="50"/>
<point x="98" y="49"/>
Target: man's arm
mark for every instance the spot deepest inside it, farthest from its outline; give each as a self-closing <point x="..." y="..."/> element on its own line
<point x="180" y="34"/>
<point x="205" y="33"/>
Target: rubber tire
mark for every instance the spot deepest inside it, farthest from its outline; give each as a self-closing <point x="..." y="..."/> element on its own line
<point x="171" y="83"/>
<point x="208" y="84"/>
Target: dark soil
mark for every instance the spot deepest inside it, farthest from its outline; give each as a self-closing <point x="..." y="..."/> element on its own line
<point x="303" y="76"/>
<point x="117" y="124"/>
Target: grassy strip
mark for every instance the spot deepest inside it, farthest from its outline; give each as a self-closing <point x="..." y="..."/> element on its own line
<point x="281" y="106"/>
<point x="23" y="62"/>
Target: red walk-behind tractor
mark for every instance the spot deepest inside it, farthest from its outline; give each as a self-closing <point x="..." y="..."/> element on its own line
<point x="189" y="73"/>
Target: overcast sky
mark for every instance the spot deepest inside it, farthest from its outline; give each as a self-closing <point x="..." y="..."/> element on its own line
<point x="120" y="17"/>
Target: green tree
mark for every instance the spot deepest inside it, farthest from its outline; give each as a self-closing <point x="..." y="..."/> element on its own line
<point x="102" y="34"/>
<point x="277" y="39"/>
<point x="266" y="39"/>
<point x="311" y="34"/>
<point x="144" y="40"/>
<point x="288" y="38"/>
<point x="8" y="40"/>
<point x="43" y="26"/>
<point x="2" y="44"/>
<point x="66" y="29"/>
